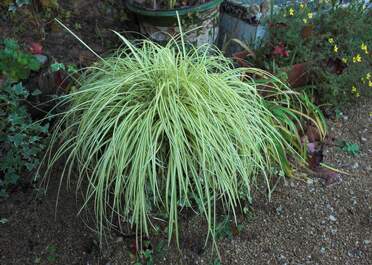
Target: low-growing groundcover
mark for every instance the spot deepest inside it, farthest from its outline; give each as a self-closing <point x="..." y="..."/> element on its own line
<point x="22" y="140"/>
<point x="153" y="129"/>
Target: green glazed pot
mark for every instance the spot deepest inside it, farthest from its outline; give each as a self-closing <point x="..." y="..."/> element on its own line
<point x="200" y="22"/>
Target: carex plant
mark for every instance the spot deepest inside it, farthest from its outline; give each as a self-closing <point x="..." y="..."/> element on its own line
<point x="156" y="128"/>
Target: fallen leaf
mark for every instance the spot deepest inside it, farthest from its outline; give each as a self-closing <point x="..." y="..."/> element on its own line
<point x="315" y="159"/>
<point x="328" y="176"/>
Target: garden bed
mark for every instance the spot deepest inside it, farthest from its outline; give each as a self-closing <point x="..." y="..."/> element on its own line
<point x="306" y="222"/>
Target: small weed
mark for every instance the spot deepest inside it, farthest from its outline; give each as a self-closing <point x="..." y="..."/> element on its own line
<point x="338" y="113"/>
<point x="16" y="64"/>
<point x="147" y="255"/>
<point x="227" y="229"/>
<point x="160" y="248"/>
<point x="350" y="148"/>
<point x="70" y="68"/>
<point x="217" y="261"/>
<point x="55" y="67"/>
<point x="51" y="253"/>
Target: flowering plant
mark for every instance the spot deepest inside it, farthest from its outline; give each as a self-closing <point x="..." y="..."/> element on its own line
<point x="333" y="40"/>
<point x="345" y="36"/>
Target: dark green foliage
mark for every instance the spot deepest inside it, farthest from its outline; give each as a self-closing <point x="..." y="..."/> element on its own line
<point x="350" y="148"/>
<point x="333" y="40"/>
<point x="15" y="64"/>
<point x="20" y="138"/>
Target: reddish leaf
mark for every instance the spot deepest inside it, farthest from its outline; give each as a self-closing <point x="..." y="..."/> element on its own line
<point x="307" y="31"/>
<point x="297" y="74"/>
<point x="280" y="50"/>
<point x="241" y="58"/>
<point x="315" y="159"/>
<point x="133" y="247"/>
<point x="60" y="79"/>
<point x="234" y="229"/>
<point x="36" y="48"/>
<point x="329" y="176"/>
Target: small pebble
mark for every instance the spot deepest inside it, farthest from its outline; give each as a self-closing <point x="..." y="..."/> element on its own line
<point x="332" y="218"/>
<point x="119" y="239"/>
<point x="355" y="165"/>
<point x="322" y="250"/>
<point x="279" y="210"/>
<point x="354" y="253"/>
<point x="310" y="181"/>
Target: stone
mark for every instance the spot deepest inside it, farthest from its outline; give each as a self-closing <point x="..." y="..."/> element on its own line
<point x="332" y="218"/>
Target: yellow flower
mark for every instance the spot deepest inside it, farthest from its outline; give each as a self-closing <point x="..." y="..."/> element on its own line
<point x="335" y="48"/>
<point x="368" y="76"/>
<point x="370" y="83"/>
<point x="363" y="80"/>
<point x="344" y="60"/>
<point x="355" y="91"/>
<point x="291" y="11"/>
<point x="310" y="15"/>
<point x="302" y="6"/>
<point x="331" y="40"/>
<point x="370" y="114"/>
<point x="304" y="20"/>
<point x="364" y="47"/>
<point x="357" y="59"/>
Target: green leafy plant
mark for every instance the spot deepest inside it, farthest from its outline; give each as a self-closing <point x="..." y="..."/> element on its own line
<point x="21" y="140"/>
<point x="16" y="64"/>
<point x="226" y="228"/>
<point x="51" y="252"/>
<point x="324" y="45"/>
<point x="350" y="148"/>
<point x="345" y="41"/>
<point x="153" y="126"/>
<point x="55" y="67"/>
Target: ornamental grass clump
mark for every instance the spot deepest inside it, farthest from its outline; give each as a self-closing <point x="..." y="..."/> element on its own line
<point x="156" y="128"/>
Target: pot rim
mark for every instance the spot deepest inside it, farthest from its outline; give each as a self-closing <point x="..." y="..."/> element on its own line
<point x="172" y="12"/>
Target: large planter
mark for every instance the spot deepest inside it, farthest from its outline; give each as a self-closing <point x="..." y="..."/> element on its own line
<point x="201" y="22"/>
